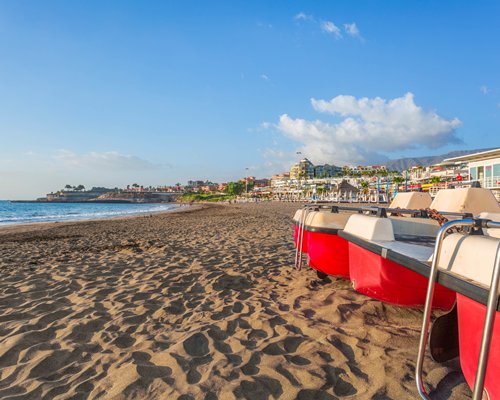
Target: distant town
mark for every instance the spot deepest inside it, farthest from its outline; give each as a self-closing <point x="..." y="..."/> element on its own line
<point x="305" y="180"/>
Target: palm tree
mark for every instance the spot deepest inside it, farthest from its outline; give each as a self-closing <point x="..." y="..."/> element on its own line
<point x="398" y="180"/>
<point x="68" y="187"/>
<point x="365" y="186"/>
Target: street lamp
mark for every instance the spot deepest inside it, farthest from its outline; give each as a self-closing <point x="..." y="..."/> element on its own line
<point x="246" y="181"/>
<point x="299" y="186"/>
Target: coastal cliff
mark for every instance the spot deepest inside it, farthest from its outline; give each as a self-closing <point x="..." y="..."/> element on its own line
<point x="103" y="195"/>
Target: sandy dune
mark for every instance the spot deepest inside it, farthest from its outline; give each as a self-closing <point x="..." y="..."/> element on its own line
<point x="195" y="305"/>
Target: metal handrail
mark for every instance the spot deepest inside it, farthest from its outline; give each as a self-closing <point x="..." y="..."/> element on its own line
<point x="300" y="238"/>
<point x="490" y="311"/>
<point x="489" y="321"/>
<point x="329" y="206"/>
<point x="305" y="212"/>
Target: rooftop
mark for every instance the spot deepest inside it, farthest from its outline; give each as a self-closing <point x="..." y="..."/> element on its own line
<point x="483" y="155"/>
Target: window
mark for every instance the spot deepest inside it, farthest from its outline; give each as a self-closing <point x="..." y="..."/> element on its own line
<point x="496" y="170"/>
<point x="473" y="173"/>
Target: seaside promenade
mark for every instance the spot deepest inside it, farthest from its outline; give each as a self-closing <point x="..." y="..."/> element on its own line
<point x="199" y="304"/>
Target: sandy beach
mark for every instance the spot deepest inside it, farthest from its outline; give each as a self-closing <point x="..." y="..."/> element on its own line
<point x="200" y="304"/>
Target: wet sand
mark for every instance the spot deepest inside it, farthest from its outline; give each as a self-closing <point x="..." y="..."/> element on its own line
<point x="201" y="304"/>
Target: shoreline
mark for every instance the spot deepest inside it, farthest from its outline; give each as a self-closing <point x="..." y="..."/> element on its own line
<point x="43" y="225"/>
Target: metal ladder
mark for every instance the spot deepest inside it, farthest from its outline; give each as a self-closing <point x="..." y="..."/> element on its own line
<point x="300" y="238"/>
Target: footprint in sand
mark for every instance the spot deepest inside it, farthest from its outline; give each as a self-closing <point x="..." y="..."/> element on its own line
<point x="251" y="368"/>
<point x="196" y="345"/>
<point x="123" y="341"/>
<point x="260" y="389"/>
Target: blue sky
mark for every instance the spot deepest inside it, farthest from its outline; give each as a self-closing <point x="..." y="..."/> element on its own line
<point x="117" y="92"/>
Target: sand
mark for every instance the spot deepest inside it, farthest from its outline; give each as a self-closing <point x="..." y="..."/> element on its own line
<point x="203" y="304"/>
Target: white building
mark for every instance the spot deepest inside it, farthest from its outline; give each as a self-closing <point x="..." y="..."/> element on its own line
<point x="483" y="167"/>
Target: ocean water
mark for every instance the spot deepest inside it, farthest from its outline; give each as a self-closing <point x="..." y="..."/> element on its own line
<point x="25" y="213"/>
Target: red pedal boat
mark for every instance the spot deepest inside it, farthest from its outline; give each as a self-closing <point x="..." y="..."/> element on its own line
<point x="328" y="253"/>
<point x="389" y="258"/>
<point x="469" y="263"/>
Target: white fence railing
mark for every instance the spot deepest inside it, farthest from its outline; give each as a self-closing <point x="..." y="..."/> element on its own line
<point x="491" y="183"/>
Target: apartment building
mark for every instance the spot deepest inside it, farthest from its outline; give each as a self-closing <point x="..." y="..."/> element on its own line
<point x="304" y="169"/>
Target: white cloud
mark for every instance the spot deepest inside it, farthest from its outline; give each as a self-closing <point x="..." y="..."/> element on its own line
<point x="276" y="161"/>
<point x="264" y="25"/>
<point x="303" y="17"/>
<point x="484" y="89"/>
<point x="107" y="161"/>
<point x="369" y="128"/>
<point x="330" y="27"/>
<point x="264" y="77"/>
<point x="352" y="30"/>
<point x="266" y="125"/>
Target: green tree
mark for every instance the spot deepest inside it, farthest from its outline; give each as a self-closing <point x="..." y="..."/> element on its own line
<point x="80" y="188"/>
<point x="435" y="179"/>
<point x="398" y="180"/>
<point x="68" y="187"/>
<point x="235" y="188"/>
<point x="365" y="186"/>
